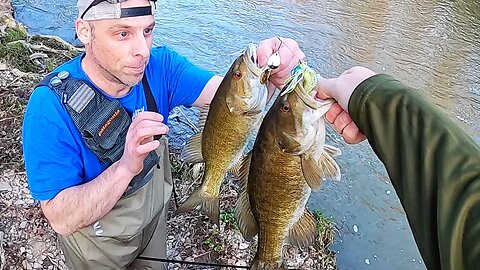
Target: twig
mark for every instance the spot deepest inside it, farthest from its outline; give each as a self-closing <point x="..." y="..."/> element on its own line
<point x="6" y="119"/>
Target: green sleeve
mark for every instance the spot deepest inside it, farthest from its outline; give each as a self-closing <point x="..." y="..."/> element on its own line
<point x="433" y="164"/>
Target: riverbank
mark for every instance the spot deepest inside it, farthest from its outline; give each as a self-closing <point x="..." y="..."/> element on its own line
<point x="26" y="239"/>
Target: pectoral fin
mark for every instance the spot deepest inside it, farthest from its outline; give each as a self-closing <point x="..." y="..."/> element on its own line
<point x="332" y="150"/>
<point x="312" y="172"/>
<point x="304" y="232"/>
<point x="192" y="152"/>
<point x="240" y="170"/>
<point x="329" y="167"/>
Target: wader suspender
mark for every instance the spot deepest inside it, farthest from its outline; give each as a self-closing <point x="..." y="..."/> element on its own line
<point x="103" y="123"/>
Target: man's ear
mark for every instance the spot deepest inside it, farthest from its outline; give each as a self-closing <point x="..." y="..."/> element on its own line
<point x="84" y="31"/>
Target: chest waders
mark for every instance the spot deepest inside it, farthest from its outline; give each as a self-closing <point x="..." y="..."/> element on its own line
<point x="137" y="223"/>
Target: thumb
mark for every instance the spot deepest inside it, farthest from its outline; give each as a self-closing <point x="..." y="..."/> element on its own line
<point x="325" y="88"/>
<point x="265" y="49"/>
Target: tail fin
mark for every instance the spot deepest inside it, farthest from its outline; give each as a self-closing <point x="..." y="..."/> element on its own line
<point x="200" y="200"/>
<point x="259" y="265"/>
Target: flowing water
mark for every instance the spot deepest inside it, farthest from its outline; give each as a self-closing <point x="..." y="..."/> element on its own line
<point x="431" y="45"/>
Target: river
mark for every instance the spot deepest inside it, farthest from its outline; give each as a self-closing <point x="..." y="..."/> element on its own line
<point x="431" y="45"/>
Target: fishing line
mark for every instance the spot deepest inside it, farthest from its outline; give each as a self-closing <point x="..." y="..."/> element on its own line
<point x="199" y="263"/>
<point x="191" y="263"/>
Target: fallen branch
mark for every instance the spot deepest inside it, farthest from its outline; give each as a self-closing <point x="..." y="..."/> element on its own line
<point x="63" y="42"/>
<point x="43" y="48"/>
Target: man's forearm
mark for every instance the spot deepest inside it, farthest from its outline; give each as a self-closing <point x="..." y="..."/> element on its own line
<point x="79" y="206"/>
<point x="433" y="165"/>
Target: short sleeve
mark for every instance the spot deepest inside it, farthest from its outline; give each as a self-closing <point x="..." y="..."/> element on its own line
<point x="52" y="155"/>
<point x="184" y="80"/>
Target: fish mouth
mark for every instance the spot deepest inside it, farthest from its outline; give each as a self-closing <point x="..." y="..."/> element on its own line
<point x="251" y="59"/>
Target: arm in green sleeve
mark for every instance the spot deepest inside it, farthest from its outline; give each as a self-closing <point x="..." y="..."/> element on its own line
<point x="434" y="167"/>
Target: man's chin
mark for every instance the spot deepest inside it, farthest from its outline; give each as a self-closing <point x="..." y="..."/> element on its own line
<point x="133" y="80"/>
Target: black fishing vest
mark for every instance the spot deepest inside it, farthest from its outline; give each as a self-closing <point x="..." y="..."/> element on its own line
<point x="103" y="123"/>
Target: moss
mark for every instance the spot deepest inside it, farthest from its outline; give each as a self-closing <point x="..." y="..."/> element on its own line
<point x="17" y="56"/>
<point x="13" y="34"/>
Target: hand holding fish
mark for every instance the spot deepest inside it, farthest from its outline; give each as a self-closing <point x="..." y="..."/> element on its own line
<point x="289" y="53"/>
<point x="341" y="90"/>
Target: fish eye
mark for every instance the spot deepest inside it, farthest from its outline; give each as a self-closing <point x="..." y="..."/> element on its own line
<point x="237" y="75"/>
<point x="285" y="107"/>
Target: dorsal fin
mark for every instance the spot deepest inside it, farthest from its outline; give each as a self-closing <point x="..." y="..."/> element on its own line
<point x="202" y="116"/>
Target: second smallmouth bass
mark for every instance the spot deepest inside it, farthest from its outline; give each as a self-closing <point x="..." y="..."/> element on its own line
<point x="288" y="160"/>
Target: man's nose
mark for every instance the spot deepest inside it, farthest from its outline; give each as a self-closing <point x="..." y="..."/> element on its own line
<point x="142" y="47"/>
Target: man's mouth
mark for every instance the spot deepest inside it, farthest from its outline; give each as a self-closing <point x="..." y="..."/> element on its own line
<point x="137" y="69"/>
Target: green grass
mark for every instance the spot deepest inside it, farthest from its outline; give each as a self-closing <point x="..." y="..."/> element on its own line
<point x="325" y="228"/>
<point x="213" y="244"/>
<point x="228" y="217"/>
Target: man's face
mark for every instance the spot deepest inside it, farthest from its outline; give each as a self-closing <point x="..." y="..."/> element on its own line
<point x="121" y="47"/>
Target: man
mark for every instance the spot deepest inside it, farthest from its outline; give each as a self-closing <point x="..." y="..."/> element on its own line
<point x="89" y="190"/>
<point x="433" y="164"/>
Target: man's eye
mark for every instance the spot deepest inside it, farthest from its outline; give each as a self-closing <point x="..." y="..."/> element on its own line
<point x="123" y="34"/>
<point x="148" y="31"/>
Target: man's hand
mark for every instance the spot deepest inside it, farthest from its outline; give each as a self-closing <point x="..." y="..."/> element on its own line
<point x="341" y="90"/>
<point x="139" y="141"/>
<point x="289" y="52"/>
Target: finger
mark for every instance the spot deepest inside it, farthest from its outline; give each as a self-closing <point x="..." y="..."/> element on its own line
<point x="283" y="74"/>
<point x="323" y="88"/>
<point x="352" y="134"/>
<point x="146" y="116"/>
<point x="147" y="147"/>
<point x="265" y="49"/>
<point x="333" y="112"/>
<point x="142" y="133"/>
<point x="287" y="61"/>
<point x="341" y="121"/>
<point x="293" y="47"/>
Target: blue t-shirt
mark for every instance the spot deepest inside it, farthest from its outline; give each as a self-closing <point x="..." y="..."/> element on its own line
<point x="56" y="157"/>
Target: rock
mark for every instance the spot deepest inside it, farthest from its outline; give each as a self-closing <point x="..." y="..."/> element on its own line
<point x="243" y="246"/>
<point x="19" y="202"/>
<point x="37" y="266"/>
<point x="22" y="250"/>
<point x="23" y="224"/>
<point x="29" y="201"/>
<point x="4" y="186"/>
